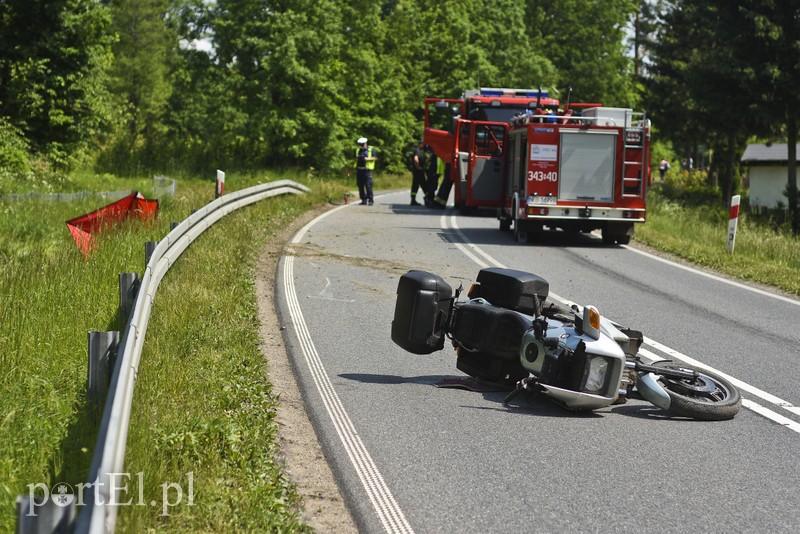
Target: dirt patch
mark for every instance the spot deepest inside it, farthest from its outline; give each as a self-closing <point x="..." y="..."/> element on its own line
<point x="324" y="508"/>
<point x="310" y="250"/>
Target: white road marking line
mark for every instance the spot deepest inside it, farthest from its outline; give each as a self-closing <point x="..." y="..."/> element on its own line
<point x="744" y="386"/>
<point x="461" y="247"/>
<point x="769" y="414"/>
<point x="766" y="412"/>
<point x="386" y="507"/>
<point x="714" y="277"/>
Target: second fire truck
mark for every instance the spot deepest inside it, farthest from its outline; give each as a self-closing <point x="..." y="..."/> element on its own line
<point x="579" y="168"/>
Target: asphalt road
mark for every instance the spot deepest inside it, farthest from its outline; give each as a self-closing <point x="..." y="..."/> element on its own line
<point x="414" y="457"/>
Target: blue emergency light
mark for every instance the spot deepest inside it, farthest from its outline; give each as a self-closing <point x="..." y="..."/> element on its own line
<point x="529" y="93"/>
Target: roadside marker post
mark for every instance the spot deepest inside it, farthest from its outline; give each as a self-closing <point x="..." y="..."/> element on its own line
<point x="733" y="220"/>
<point x="220" y="184"/>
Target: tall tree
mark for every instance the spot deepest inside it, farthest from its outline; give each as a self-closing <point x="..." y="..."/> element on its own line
<point x="276" y="53"/>
<point x="726" y="70"/>
<point x="141" y="71"/>
<point x="644" y="26"/>
<point x="772" y="47"/>
<point x="54" y="56"/>
<point x="584" y="39"/>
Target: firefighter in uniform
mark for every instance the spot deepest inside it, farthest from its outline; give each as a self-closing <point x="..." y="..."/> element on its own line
<point x="418" y="173"/>
<point x="440" y="200"/>
<point x="365" y="163"/>
<point x="434" y="168"/>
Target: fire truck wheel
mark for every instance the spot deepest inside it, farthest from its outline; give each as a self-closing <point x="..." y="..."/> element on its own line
<point x="610" y="239"/>
<point x="520" y="235"/>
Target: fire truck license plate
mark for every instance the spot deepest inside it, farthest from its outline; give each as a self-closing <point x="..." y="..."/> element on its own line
<point x="543" y="200"/>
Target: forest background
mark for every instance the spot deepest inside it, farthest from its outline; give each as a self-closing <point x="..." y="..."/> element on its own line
<point x="131" y="87"/>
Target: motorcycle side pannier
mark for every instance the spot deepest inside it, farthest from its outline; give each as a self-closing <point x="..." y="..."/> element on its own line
<point x="489" y="339"/>
<point x="509" y="288"/>
<point x="421" y="312"/>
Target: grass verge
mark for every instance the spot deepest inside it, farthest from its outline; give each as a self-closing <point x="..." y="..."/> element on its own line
<point x="203" y="409"/>
<point x="699" y="235"/>
<point x="203" y="402"/>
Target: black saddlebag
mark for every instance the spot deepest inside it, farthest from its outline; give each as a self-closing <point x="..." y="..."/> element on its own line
<point x="509" y="288"/>
<point x="489" y="329"/>
<point x="489" y="340"/>
<point x="421" y="312"/>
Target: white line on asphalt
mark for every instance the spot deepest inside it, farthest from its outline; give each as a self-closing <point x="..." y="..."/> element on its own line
<point x="384" y="503"/>
<point x="714" y="277"/>
<point x="766" y="412"/>
<point x="462" y="247"/>
<point x="769" y="414"/>
<point x="769" y="397"/>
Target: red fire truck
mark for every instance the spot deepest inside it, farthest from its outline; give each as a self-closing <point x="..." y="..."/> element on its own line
<point x="579" y="168"/>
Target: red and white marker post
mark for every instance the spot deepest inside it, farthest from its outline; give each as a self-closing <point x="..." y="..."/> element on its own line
<point x="733" y="220"/>
<point x="220" y="184"/>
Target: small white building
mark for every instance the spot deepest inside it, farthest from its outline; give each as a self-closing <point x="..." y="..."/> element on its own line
<point x="768" y="174"/>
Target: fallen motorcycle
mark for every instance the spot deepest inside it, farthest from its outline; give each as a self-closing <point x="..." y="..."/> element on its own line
<point x="507" y="333"/>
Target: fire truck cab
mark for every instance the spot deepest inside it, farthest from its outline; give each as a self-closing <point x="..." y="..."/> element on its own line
<point x="470" y="134"/>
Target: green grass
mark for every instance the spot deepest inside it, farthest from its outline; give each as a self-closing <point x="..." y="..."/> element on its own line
<point x="699" y="234"/>
<point x="203" y="402"/>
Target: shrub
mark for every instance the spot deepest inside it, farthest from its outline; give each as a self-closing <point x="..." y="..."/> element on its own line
<point x="689" y="187"/>
<point x="14" y="150"/>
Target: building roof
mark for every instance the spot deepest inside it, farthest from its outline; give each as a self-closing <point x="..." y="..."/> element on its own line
<point x="774" y="153"/>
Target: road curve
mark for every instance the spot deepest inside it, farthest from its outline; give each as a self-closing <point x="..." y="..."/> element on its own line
<point x="411" y="457"/>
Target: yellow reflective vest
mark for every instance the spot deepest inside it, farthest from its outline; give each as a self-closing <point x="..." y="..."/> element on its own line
<point x="369" y="165"/>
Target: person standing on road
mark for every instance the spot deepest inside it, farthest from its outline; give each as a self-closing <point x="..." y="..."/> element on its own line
<point x="434" y="168"/>
<point x="440" y="200"/>
<point x="365" y="163"/>
<point x="417" y="173"/>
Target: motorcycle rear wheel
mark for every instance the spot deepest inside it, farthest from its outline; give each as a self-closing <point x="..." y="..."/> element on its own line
<point x="709" y="398"/>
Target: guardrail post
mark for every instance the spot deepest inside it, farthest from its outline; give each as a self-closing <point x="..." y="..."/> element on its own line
<point x="149" y="248"/>
<point x="45" y="514"/>
<point x="102" y="353"/>
<point x="128" y="289"/>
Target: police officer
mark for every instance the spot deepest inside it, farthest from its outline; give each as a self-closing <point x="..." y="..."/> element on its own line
<point x="365" y="163"/>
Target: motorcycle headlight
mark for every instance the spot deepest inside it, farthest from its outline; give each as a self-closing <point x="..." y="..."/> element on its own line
<point x="596" y="372"/>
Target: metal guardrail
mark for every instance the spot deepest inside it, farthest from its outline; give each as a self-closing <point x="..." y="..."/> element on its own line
<point x="99" y="512"/>
<point x="162" y="186"/>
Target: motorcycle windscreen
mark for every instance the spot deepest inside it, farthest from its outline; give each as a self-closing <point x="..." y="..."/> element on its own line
<point x="587" y="163"/>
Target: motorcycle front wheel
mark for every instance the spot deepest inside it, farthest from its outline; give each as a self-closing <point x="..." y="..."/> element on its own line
<point x="708" y="398"/>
